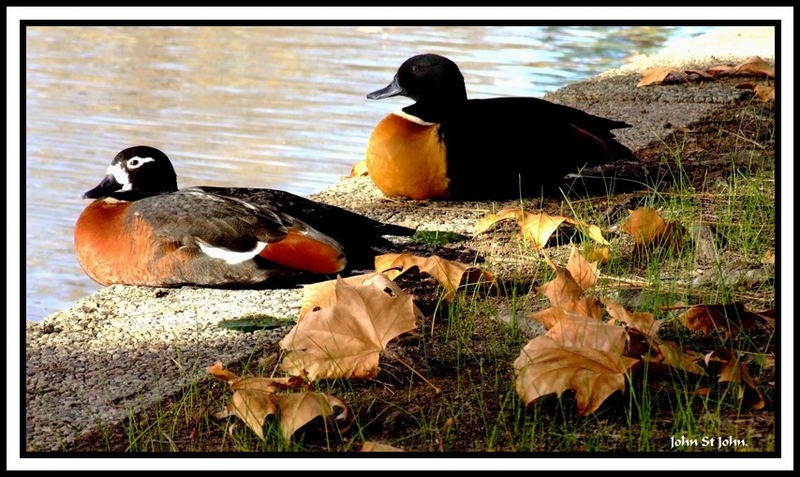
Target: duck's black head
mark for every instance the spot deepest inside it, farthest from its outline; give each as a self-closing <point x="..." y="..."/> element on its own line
<point x="429" y="79"/>
<point x="136" y="172"/>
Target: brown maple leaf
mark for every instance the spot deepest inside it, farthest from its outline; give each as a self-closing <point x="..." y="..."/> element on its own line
<point x="642" y="321"/>
<point x="649" y="230"/>
<point x="255" y="398"/>
<point x="544" y="367"/>
<point x="765" y="93"/>
<point x="448" y="273"/>
<point x="755" y="66"/>
<point x="669" y="354"/>
<point x="321" y="294"/>
<point x="662" y="75"/>
<point x="345" y="340"/>
<point x="359" y="169"/>
<point x="537" y="228"/>
<point x="584" y="273"/>
<point x="734" y="370"/>
<point x="576" y="331"/>
<point x="597" y="254"/>
<point x="298" y="409"/>
<point x="725" y="318"/>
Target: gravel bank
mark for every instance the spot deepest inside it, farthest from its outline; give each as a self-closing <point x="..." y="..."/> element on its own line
<point x="121" y="349"/>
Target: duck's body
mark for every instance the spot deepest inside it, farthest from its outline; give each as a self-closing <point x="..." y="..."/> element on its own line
<point x="446" y="145"/>
<point x="141" y="230"/>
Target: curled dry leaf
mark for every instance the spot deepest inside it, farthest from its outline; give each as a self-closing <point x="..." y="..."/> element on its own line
<point x="582" y="271"/>
<point x="537" y="228"/>
<point x="765" y="93"/>
<point x="545" y="366"/>
<point x="583" y="307"/>
<point x="575" y="331"/>
<point x="345" y="340"/>
<point x="597" y="254"/>
<point x="562" y="289"/>
<point x="662" y="76"/>
<point x="726" y="318"/>
<point x="359" y="169"/>
<point x="649" y="230"/>
<point x="669" y="354"/>
<point x="642" y="321"/>
<point x="298" y="409"/>
<point x="754" y="66"/>
<point x="256" y="398"/>
<point x="732" y="369"/>
<point x="320" y="295"/>
<point x="372" y="446"/>
<point x="565" y="293"/>
<point x="448" y="273"/>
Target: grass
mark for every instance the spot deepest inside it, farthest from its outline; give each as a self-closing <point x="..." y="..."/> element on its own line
<point x="467" y="347"/>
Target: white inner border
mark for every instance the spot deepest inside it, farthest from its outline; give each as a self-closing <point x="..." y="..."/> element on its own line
<point x="533" y="14"/>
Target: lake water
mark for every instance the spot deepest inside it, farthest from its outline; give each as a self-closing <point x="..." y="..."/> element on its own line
<point x="279" y="107"/>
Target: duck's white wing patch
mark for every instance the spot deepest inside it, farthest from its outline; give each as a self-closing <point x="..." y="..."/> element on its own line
<point x="229" y="256"/>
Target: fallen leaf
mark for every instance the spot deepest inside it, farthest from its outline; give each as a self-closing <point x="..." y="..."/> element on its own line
<point x="575" y="331"/>
<point x="734" y="370"/>
<point x="447" y="272"/>
<point x="372" y="446"/>
<point x="583" y="307"/>
<point x="726" y="318"/>
<point x="660" y="76"/>
<point x="756" y="66"/>
<point x="768" y="257"/>
<point x="582" y="271"/>
<point x="298" y="409"/>
<point x="544" y="367"/>
<point x="562" y="289"/>
<point x="537" y="228"/>
<point x="597" y="254"/>
<point x="649" y="230"/>
<point x="220" y="373"/>
<point x="642" y="321"/>
<point x="753" y="66"/>
<point x="253" y="398"/>
<point x="765" y="93"/>
<point x="672" y="355"/>
<point x="345" y="340"/>
<point x="359" y="169"/>
<point x="321" y="294"/>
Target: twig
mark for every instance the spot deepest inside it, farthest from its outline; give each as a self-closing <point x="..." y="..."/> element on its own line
<point x="435" y="389"/>
<point x="743" y="138"/>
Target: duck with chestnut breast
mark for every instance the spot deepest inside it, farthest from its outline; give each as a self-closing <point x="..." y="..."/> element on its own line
<point x="447" y="146"/>
<point x="142" y="230"/>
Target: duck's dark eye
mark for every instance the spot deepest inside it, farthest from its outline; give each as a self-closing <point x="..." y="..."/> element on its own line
<point x="415" y="69"/>
<point x="133" y="163"/>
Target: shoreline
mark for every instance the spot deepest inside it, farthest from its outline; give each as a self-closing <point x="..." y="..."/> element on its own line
<point x="121" y="349"/>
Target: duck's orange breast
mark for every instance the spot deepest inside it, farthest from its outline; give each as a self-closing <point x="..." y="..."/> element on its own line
<point x="113" y="248"/>
<point x="406" y="158"/>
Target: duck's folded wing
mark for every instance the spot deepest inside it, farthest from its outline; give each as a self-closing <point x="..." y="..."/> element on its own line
<point x="221" y="227"/>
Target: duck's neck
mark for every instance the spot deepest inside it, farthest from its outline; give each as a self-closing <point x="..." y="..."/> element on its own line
<point x="435" y="111"/>
<point x="133" y="195"/>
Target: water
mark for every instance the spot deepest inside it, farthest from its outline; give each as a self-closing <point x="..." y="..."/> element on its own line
<point x="279" y="107"/>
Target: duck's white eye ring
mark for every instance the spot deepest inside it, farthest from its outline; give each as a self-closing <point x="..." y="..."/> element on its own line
<point x="136" y="162"/>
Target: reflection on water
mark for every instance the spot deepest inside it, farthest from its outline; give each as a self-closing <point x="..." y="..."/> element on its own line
<point x="280" y="107"/>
